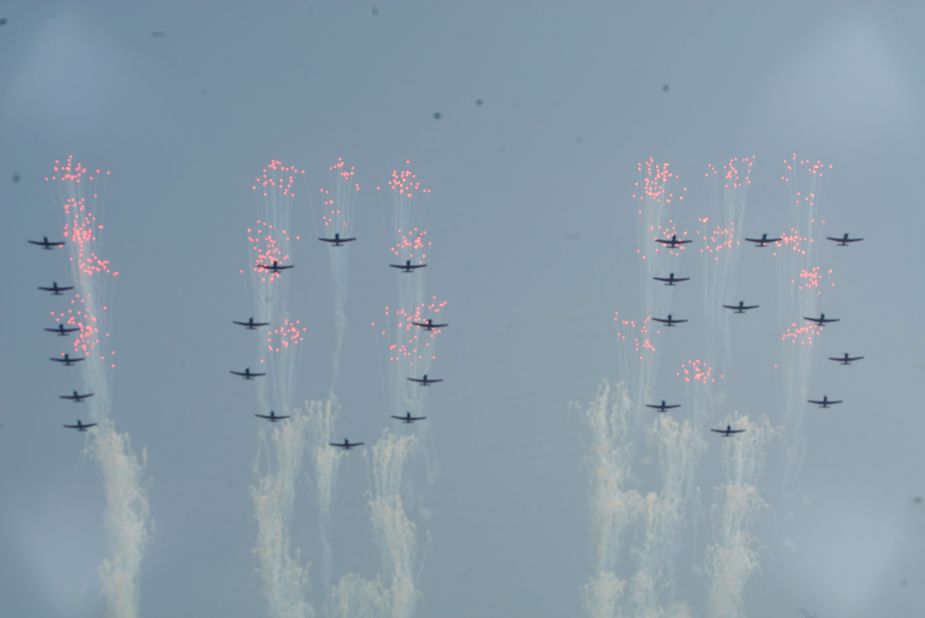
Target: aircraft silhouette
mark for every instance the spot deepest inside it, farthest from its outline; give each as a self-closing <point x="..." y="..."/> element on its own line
<point x="56" y="289"/>
<point x="663" y="407"/>
<point x="61" y="330"/>
<point x="728" y="431"/>
<point x="407" y="267"/>
<point x="843" y="240"/>
<point x="337" y="241"/>
<point x="671" y="279"/>
<point x="669" y="321"/>
<point x="825" y="402"/>
<point x="250" y="324"/>
<point x="763" y="241"/>
<point x="66" y="359"/>
<point x="674" y="243"/>
<point x="75" y="397"/>
<point x="272" y="417"/>
<point x="741" y="307"/>
<point x="407" y="418"/>
<point x="429" y="324"/>
<point x="346" y="444"/>
<point x="425" y="381"/>
<point x="821" y="320"/>
<point x="80" y="426"/>
<point x="275" y="267"/>
<point x="247" y="374"/>
<point x="845" y="360"/>
<point x="45" y="243"/>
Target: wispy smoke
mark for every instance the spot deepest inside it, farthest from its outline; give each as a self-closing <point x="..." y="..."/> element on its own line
<point x="285" y="580"/>
<point x="733" y="556"/>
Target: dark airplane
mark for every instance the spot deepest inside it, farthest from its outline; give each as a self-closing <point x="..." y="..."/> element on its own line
<point x="80" y="426"/>
<point x="844" y="240"/>
<point x="272" y="416"/>
<point x="346" y="444"/>
<point x="728" y="431"/>
<point x="61" y="330"/>
<point x="66" y="359"/>
<point x="425" y="381"/>
<point x="741" y="307"/>
<point x="247" y="374"/>
<point x="674" y="243"/>
<point x="763" y="241"/>
<point x="56" y="289"/>
<point x="337" y="241"/>
<point x="429" y="325"/>
<point x="821" y="320"/>
<point x="845" y="360"/>
<point x="671" y="279"/>
<point x="669" y="321"/>
<point x="45" y="244"/>
<point x="407" y="418"/>
<point x="75" y="397"/>
<point x="407" y="267"/>
<point x="250" y="324"/>
<point x="276" y="267"/>
<point x="825" y="402"/>
<point x="663" y="407"/>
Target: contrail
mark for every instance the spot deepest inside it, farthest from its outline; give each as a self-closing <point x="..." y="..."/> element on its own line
<point x="78" y="191"/>
<point x="321" y="417"/>
<point x="733" y="556"/>
<point x="285" y="581"/>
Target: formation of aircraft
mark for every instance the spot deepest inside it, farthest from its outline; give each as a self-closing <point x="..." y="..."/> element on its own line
<point x="66" y="359"/>
<point x="272" y="417"/>
<point x="61" y="330"/>
<point x="407" y="267"/>
<point x="669" y="321"/>
<point x="80" y="426"/>
<point x="425" y="381"/>
<point x="337" y="241"/>
<point x="428" y="324"/>
<point x="728" y="431"/>
<point x="763" y="241"/>
<point x="247" y="374"/>
<point x="821" y="320"/>
<point x="407" y="418"/>
<point x="663" y="407"/>
<point x="825" y="402"/>
<point x="842" y="241"/>
<point x="75" y="397"/>
<point x="250" y="324"/>
<point x="346" y="444"/>
<point x="56" y="289"/>
<point x="673" y="242"/>
<point x="276" y="267"/>
<point x="741" y="307"/>
<point x="46" y="244"/>
<point x="671" y="279"/>
<point x="845" y="359"/>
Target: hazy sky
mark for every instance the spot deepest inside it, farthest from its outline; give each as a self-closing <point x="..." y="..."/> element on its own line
<point x="534" y="232"/>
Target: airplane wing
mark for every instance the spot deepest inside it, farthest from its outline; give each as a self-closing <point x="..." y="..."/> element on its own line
<point x="256" y="375"/>
<point x="718" y="430"/>
<point x="286" y="416"/>
<point x="682" y="278"/>
<point x="682" y="242"/>
<point x="834" y="401"/>
<point x="731" y="306"/>
<point x="749" y="306"/>
<point x="36" y="242"/>
<point x="663" y="241"/>
<point x="269" y="418"/>
<point x="434" y="381"/>
<point x="81" y="427"/>
<point x="419" y="380"/>
<point x="854" y="358"/>
<point x="355" y="443"/>
<point x="239" y="373"/>
<point x="663" y="321"/>
<point x="678" y="321"/>
<point x="735" y="431"/>
<point x="327" y="240"/>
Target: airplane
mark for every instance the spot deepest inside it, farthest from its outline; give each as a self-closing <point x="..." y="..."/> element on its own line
<point x="844" y="240"/>
<point x="671" y="279"/>
<point x="55" y="289"/>
<point x="250" y="324"/>
<point x="429" y="324"/>
<point x="825" y="402"/>
<point x="346" y="444"/>
<point x="272" y="417"/>
<point x="845" y="360"/>
<point x="821" y="320"/>
<point x="61" y="330"/>
<point x="66" y="359"/>
<point x="663" y="407"/>
<point x="728" y="431"/>
<point x="669" y="321"/>
<point x="425" y="381"/>
<point x="741" y="307"/>
<point x="276" y="267"/>
<point x="75" y="397"/>
<point x="763" y="241"/>
<point x="45" y="244"/>
<point x="80" y="426"/>
<point x="407" y="418"/>
<point x="407" y="267"/>
<point x="337" y="241"/>
<point x="247" y="374"/>
<point x="674" y="243"/>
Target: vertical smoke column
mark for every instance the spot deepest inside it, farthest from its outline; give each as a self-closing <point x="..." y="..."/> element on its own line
<point x="338" y="200"/>
<point x="127" y="518"/>
<point x="321" y="418"/>
<point x="800" y="286"/>
<point x="734" y="556"/>
<point x="279" y="458"/>
<point x="615" y="509"/>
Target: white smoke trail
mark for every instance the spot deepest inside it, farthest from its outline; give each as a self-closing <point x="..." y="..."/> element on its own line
<point x="127" y="518"/>
<point x="395" y="532"/>
<point x="322" y="416"/>
<point x="285" y="581"/>
<point x="356" y="597"/>
<point x="733" y="557"/>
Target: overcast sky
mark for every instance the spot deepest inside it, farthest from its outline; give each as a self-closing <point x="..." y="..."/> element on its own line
<point x="534" y="235"/>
